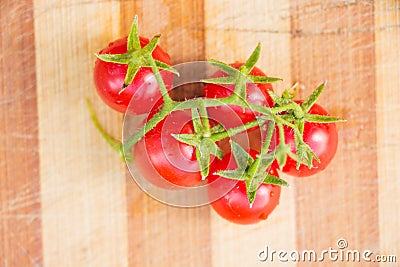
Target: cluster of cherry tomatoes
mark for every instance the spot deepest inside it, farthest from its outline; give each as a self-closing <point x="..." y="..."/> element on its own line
<point x="121" y="69"/>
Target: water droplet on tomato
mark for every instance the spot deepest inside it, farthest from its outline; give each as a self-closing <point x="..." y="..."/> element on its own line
<point x="271" y="194"/>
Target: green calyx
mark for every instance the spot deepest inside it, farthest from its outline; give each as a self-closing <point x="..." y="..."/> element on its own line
<point x="136" y="56"/>
<point x="252" y="171"/>
<point x="202" y="141"/>
<point x="240" y="77"/>
<point x="205" y="138"/>
<point x="294" y="115"/>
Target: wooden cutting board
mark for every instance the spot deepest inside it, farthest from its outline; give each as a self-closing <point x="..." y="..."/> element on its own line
<point x="66" y="199"/>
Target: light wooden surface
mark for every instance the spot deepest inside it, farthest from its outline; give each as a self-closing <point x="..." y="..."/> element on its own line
<point x="67" y="200"/>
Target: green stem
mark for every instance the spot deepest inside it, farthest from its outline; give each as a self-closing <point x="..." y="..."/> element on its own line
<point x="281" y="134"/>
<point x="298" y="111"/>
<point x="168" y="108"/>
<point x="114" y="143"/>
<point x="161" y="84"/>
<point x="201" y="104"/>
<point x="284" y="122"/>
<point x="240" y="88"/>
<point x="279" y="109"/>
<point x="268" y="138"/>
<point x="233" y="131"/>
<point x="264" y="150"/>
<point x="205" y="121"/>
<point x="300" y="126"/>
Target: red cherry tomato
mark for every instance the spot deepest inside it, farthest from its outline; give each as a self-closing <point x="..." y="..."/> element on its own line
<point x="109" y="79"/>
<point x="322" y="138"/>
<point x="163" y="159"/>
<point x="233" y="116"/>
<point x="234" y="205"/>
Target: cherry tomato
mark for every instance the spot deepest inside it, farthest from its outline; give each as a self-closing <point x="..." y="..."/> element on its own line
<point x="322" y="138"/>
<point x="233" y="116"/>
<point x="109" y="80"/>
<point x="234" y="205"/>
<point x="163" y="159"/>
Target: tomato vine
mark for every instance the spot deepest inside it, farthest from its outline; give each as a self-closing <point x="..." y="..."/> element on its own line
<point x="285" y="114"/>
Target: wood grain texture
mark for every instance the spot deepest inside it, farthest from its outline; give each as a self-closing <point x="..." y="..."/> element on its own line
<point x="20" y="222"/>
<point x="66" y="199"/>
<point x="387" y="73"/>
<point x="161" y="235"/>
<point x="83" y="185"/>
<point x="233" y="30"/>
<point x="333" y="41"/>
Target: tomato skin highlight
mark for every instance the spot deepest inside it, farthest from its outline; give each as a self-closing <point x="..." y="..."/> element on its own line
<point x="174" y="162"/>
<point x="322" y="138"/>
<point x="234" y="205"/>
<point x="109" y="80"/>
<point x="233" y="116"/>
